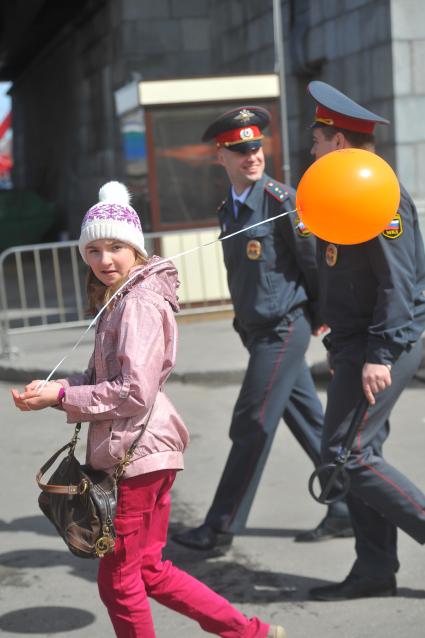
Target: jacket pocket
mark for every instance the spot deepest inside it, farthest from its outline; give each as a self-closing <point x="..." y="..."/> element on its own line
<point x="122" y="434"/>
<point x="99" y="454"/>
<point x="128" y="530"/>
<point x="257" y="231"/>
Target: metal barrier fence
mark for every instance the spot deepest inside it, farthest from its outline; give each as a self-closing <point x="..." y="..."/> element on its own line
<point x="42" y="286"/>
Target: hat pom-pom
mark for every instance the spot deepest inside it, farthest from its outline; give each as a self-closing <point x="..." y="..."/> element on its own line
<point x="114" y="193"/>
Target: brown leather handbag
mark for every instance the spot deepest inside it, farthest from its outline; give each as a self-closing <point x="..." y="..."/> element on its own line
<point x="81" y="502"/>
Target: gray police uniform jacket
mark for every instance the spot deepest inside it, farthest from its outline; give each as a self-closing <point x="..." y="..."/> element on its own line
<point x="272" y="268"/>
<point x="374" y="291"/>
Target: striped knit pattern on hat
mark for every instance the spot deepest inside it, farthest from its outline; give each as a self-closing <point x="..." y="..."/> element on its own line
<point x="112" y="218"/>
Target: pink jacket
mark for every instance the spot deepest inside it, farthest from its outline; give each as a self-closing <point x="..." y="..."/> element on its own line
<point x="135" y="351"/>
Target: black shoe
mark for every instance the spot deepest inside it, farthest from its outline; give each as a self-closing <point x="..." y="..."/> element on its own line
<point x="329" y="527"/>
<point x="203" y="537"/>
<point x="356" y="587"/>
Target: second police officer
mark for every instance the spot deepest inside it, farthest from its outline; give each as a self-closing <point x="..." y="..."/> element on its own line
<point x="272" y="277"/>
<point x="373" y="301"/>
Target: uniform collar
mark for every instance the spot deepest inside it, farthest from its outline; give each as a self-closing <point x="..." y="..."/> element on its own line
<point x="242" y="197"/>
<point x="253" y="201"/>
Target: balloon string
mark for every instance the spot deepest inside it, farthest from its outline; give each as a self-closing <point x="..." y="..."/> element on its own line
<point x="42" y="384"/>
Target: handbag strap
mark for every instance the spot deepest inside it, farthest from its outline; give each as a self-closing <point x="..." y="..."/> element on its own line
<point x="83" y="485"/>
<point x="61" y="489"/>
<point x="120" y="468"/>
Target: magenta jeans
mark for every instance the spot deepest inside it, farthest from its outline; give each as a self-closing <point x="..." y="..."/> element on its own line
<point x="136" y="570"/>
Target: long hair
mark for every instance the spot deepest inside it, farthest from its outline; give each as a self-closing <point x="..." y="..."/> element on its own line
<point x="98" y="294"/>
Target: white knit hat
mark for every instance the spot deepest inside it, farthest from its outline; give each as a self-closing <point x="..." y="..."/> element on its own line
<point x="112" y="218"/>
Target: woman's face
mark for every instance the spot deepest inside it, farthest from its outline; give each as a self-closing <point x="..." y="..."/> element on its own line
<point x="110" y="259"/>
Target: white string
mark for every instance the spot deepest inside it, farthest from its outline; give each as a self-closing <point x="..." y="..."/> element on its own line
<point x="157" y="263"/>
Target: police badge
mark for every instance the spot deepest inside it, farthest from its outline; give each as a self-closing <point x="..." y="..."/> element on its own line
<point x="253" y="249"/>
<point x="331" y="254"/>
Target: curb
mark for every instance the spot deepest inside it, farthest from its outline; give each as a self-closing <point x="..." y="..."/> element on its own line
<point x="319" y="372"/>
<point x="20" y="374"/>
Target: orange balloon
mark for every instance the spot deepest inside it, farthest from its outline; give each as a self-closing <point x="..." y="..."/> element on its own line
<point x="348" y="196"/>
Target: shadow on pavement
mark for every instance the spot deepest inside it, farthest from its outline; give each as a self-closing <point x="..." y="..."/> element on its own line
<point x="235" y="577"/>
<point x="269" y="532"/>
<point x="36" y="558"/>
<point x="240" y="582"/>
<point x="37" y="524"/>
<point x="45" y="620"/>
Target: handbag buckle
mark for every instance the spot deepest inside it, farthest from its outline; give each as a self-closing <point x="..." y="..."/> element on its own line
<point x="83" y="486"/>
<point x="120" y="469"/>
<point x="104" y="544"/>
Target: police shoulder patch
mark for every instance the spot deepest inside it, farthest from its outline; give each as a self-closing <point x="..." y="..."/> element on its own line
<point x="276" y="190"/>
<point x="301" y="228"/>
<point x="395" y="228"/>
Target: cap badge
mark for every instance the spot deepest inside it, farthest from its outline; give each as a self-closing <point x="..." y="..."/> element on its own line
<point x="244" y="115"/>
<point x="325" y="120"/>
<point x="253" y="249"/>
<point x="246" y="134"/>
<point x="331" y="255"/>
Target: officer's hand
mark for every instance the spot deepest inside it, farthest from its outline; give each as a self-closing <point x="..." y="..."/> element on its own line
<point x="375" y="378"/>
<point x="320" y="330"/>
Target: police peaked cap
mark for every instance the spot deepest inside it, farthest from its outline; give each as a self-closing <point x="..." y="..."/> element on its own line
<point x="336" y="109"/>
<point x="239" y="130"/>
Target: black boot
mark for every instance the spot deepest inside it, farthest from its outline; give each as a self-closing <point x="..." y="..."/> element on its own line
<point x="355" y="586"/>
<point x="329" y="527"/>
<point x="203" y="537"/>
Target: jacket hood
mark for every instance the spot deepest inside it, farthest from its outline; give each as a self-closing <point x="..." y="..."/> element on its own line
<point x="159" y="276"/>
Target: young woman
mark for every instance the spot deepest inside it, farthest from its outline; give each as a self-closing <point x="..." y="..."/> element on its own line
<point x="135" y="351"/>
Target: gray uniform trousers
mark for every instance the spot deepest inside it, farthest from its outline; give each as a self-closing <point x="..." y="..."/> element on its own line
<point x="381" y="498"/>
<point x="277" y="383"/>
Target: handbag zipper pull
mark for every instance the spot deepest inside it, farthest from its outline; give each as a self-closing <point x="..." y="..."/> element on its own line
<point x="106" y="543"/>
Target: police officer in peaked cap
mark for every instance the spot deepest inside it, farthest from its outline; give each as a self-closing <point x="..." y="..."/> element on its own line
<point x="272" y="277"/>
<point x="373" y="301"/>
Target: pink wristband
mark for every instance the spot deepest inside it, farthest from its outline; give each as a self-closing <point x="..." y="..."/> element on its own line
<point x="61" y="395"/>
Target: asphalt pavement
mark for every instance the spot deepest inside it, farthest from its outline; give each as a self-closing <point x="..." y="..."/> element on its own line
<point x="46" y="591"/>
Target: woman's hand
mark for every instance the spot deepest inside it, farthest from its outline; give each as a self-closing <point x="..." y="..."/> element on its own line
<point x="375" y="378"/>
<point x="34" y="399"/>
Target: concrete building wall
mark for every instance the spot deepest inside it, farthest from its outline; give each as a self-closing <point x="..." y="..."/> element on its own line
<point x="346" y="43"/>
<point x="45" y="128"/>
<point x="64" y="124"/>
<point x="242" y="36"/>
<point x="166" y="38"/>
<point x="408" y="48"/>
<point x="67" y="139"/>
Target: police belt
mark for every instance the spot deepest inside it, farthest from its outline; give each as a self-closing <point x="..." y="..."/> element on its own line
<point x="289" y="317"/>
<point x="296" y="312"/>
